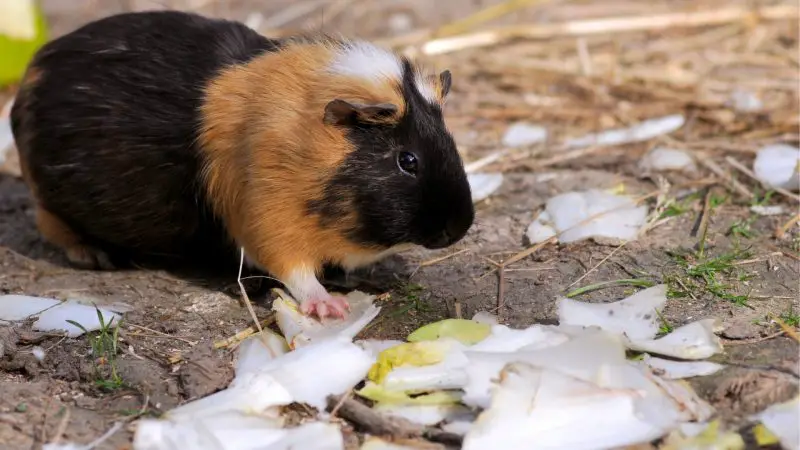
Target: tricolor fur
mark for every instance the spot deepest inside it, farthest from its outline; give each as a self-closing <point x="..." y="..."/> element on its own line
<point x="137" y="140"/>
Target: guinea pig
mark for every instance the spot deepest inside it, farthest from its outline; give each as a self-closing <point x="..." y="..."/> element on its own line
<point x="169" y="133"/>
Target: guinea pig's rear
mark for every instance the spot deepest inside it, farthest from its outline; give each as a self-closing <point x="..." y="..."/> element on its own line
<point x="106" y="123"/>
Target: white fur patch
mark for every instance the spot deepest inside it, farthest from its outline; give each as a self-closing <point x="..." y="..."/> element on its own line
<point x="365" y="60"/>
<point x="304" y="285"/>
<point x="425" y="88"/>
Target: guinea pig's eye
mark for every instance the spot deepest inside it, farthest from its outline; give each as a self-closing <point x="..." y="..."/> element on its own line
<point x="407" y="162"/>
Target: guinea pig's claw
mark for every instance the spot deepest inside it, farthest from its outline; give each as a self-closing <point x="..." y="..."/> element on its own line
<point x="330" y="306"/>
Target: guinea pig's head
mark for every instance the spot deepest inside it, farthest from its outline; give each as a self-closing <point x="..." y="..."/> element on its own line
<point x="403" y="178"/>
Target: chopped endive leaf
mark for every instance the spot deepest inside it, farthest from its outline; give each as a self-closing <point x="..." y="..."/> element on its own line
<point x="408" y="354"/>
<point x="463" y="330"/>
<point x="378" y="394"/>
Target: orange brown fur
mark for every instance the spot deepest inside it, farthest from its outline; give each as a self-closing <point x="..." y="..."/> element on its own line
<point x="268" y="153"/>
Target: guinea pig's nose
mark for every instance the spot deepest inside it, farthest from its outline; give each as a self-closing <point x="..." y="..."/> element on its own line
<point x="452" y="233"/>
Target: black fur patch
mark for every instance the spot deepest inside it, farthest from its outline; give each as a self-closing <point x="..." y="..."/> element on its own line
<point x="394" y="207"/>
<point x="111" y="127"/>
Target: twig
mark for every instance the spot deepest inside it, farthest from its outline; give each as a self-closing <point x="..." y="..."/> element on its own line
<point x="242" y="335"/>
<point x="742" y="168"/>
<point x="372" y="422"/>
<point x="62" y="426"/>
<point x="705" y="220"/>
<point x="247" y="301"/>
<point x="484" y="15"/>
<point x="714" y="167"/>
<point x="780" y="232"/>
<point x="501" y="287"/>
<point x="608" y="25"/>
<point x="343" y="399"/>
<point x="597" y="265"/>
<point x="433" y="261"/>
<point x="789" y="330"/>
<point x="756" y="341"/>
<point x="160" y="334"/>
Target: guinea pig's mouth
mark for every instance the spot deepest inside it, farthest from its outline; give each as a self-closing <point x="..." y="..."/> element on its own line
<point x="443" y="240"/>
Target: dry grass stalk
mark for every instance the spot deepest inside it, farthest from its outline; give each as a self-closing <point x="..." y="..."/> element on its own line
<point x="607" y="26"/>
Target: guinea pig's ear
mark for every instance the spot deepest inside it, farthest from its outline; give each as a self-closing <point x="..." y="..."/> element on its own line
<point x="445" y="81"/>
<point x="342" y="112"/>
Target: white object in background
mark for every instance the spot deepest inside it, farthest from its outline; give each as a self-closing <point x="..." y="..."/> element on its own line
<point x="635" y="316"/>
<point x="567" y="215"/>
<point x="642" y="131"/>
<point x="661" y="159"/>
<point x="695" y="340"/>
<point x="483" y="185"/>
<point x="254" y="354"/>
<point x="778" y="165"/>
<point x="676" y="370"/>
<point x="521" y="134"/>
<point x="55" y="318"/>
<point x="20" y="307"/>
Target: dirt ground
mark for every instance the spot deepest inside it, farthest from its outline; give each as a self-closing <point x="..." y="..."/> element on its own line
<point x="167" y="355"/>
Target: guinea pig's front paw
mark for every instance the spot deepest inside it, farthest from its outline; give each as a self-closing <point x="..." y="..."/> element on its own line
<point x="327" y="306"/>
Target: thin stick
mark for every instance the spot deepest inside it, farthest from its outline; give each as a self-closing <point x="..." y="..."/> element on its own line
<point x="553" y="239"/>
<point x="780" y="233"/>
<point x="433" y="261"/>
<point x="160" y="334"/>
<point x="247" y="301"/>
<point x="597" y="265"/>
<point x="242" y="335"/>
<point x="501" y="287"/>
<point x="62" y="426"/>
<point x="609" y="25"/>
<point x="714" y="167"/>
<point x="484" y="15"/>
<point x="742" y="168"/>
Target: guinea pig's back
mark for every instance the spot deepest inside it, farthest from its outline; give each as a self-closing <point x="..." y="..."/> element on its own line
<point x="106" y="124"/>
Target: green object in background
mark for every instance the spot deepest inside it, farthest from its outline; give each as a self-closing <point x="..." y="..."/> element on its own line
<point x="23" y="30"/>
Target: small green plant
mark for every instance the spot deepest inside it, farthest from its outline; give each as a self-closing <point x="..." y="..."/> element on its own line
<point x="742" y="228"/>
<point x="411" y="292"/>
<point x="761" y="200"/>
<point x="665" y="327"/>
<point x="104" y="343"/>
<point x="707" y="274"/>
<point x="791" y="318"/>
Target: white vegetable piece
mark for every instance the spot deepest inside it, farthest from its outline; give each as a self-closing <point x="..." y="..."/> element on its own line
<point x="642" y="131"/>
<point x="695" y="340"/>
<point x="426" y="414"/>
<point x="521" y="134"/>
<point x="55" y="318"/>
<point x="254" y="393"/>
<point x="300" y="329"/>
<point x="235" y="430"/>
<point x="567" y="215"/>
<point x="535" y="408"/>
<point x="783" y="421"/>
<point x="254" y="353"/>
<point x="661" y="159"/>
<point x="20" y="307"/>
<point x="313" y="372"/>
<point x="675" y="370"/>
<point x="778" y="166"/>
<point x="635" y="316"/>
<point x="376" y="443"/>
<point x="745" y="101"/>
<point x="503" y="339"/>
<point x="483" y="185"/>
<point x="376" y="346"/>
